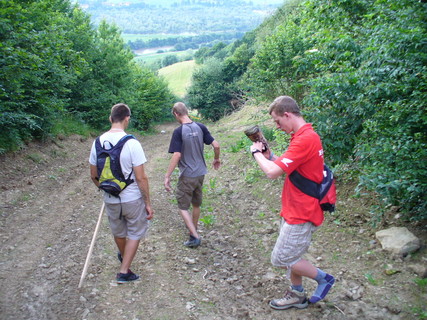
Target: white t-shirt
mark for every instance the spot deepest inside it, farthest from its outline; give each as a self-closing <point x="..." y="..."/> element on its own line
<point x="132" y="155"/>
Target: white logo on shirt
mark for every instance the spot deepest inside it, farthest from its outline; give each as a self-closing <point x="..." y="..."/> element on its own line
<point x="193" y="134"/>
<point x="286" y="161"/>
<point x="321" y="153"/>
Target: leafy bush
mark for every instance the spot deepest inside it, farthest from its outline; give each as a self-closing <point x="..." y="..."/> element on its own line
<point x="153" y="99"/>
<point x="55" y="65"/>
<point x="209" y="93"/>
<point x="358" y="69"/>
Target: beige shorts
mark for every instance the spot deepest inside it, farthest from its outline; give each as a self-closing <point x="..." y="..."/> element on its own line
<point x="292" y="243"/>
<point x="189" y="191"/>
<point x="133" y="224"/>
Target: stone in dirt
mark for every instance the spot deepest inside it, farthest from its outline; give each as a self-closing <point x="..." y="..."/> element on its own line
<point x="398" y="240"/>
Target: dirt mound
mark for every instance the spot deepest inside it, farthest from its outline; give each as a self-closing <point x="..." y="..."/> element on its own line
<point x="49" y="209"/>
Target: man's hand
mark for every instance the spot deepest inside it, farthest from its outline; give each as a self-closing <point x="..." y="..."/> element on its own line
<point x="259" y="146"/>
<point x="168" y="184"/>
<point x="216" y="164"/>
<point x="256" y="146"/>
<point x="150" y="211"/>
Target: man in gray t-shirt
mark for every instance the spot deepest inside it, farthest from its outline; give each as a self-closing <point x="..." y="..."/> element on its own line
<point x="187" y="146"/>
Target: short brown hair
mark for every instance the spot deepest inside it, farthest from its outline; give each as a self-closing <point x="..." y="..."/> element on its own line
<point x="180" y="108"/>
<point x="119" y="112"/>
<point x="284" y="104"/>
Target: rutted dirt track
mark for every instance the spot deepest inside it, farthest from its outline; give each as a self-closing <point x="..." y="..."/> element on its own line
<point x="49" y="209"/>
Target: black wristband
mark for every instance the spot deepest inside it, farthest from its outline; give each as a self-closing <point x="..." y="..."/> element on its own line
<point x="256" y="151"/>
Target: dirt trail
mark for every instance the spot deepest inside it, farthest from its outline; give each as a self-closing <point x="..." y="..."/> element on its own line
<point x="49" y="209"/>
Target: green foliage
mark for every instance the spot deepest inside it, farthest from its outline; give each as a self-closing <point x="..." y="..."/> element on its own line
<point x="38" y="66"/>
<point x="67" y="125"/>
<point x="358" y="70"/>
<point x="209" y="93"/>
<point x="422" y="284"/>
<point x="178" y="76"/>
<point x="252" y="175"/>
<point x="169" y="59"/>
<point x="371" y="279"/>
<point x="242" y="144"/>
<point x="208" y="220"/>
<point x="181" y="17"/>
<point x="269" y="133"/>
<point x="55" y="66"/>
<point x="153" y="99"/>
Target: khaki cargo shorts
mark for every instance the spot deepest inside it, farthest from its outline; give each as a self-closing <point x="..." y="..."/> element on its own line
<point x="189" y="191"/>
<point x="133" y="224"/>
<point x="292" y="243"/>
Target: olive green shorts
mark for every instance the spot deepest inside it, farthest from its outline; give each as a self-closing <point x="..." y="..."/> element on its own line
<point x="189" y="191"/>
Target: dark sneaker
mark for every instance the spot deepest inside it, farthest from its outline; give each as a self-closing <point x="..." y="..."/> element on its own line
<point x="126" y="277"/>
<point x="291" y="299"/>
<point x="119" y="256"/>
<point x="193" y="242"/>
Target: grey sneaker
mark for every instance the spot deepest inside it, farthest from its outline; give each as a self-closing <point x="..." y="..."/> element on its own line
<point x="193" y="242"/>
<point x="291" y="299"/>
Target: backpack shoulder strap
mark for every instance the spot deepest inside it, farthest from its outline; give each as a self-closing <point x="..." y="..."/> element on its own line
<point x="328" y="180"/>
<point x="123" y="140"/>
<point x="304" y="184"/>
<point x="311" y="188"/>
<point x="118" y="149"/>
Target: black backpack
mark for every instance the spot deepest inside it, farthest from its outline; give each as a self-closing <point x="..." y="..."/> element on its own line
<point x="111" y="178"/>
<point x="325" y="192"/>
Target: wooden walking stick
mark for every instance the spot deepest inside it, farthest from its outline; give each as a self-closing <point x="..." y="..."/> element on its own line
<point x="89" y="254"/>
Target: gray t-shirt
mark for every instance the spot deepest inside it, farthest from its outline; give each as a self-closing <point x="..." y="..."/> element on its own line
<point x="189" y="139"/>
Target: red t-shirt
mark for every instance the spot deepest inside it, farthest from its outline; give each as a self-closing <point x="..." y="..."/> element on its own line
<point x="305" y="153"/>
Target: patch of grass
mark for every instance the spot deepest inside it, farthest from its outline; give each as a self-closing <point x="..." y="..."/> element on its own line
<point x="208" y="220"/>
<point x="153" y="58"/>
<point x="22" y="198"/>
<point x="420" y="313"/>
<point x="253" y="175"/>
<point x="269" y="133"/>
<point x="422" y="284"/>
<point x="178" y="76"/>
<point x="35" y="157"/>
<point x="371" y="279"/>
<point x="54" y="153"/>
<point x="68" y="125"/>
<point x="243" y="144"/>
<point x="212" y="183"/>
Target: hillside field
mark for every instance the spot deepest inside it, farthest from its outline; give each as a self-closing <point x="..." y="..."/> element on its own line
<point x="178" y="76"/>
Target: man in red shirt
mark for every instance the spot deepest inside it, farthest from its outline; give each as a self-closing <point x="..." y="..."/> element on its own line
<point x="301" y="213"/>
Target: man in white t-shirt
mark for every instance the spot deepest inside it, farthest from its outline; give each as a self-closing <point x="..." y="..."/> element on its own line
<point x="129" y="214"/>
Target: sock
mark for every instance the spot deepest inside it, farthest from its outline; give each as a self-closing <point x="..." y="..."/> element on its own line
<point x="320" y="275"/>
<point x="297" y="288"/>
<point x="324" y="284"/>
